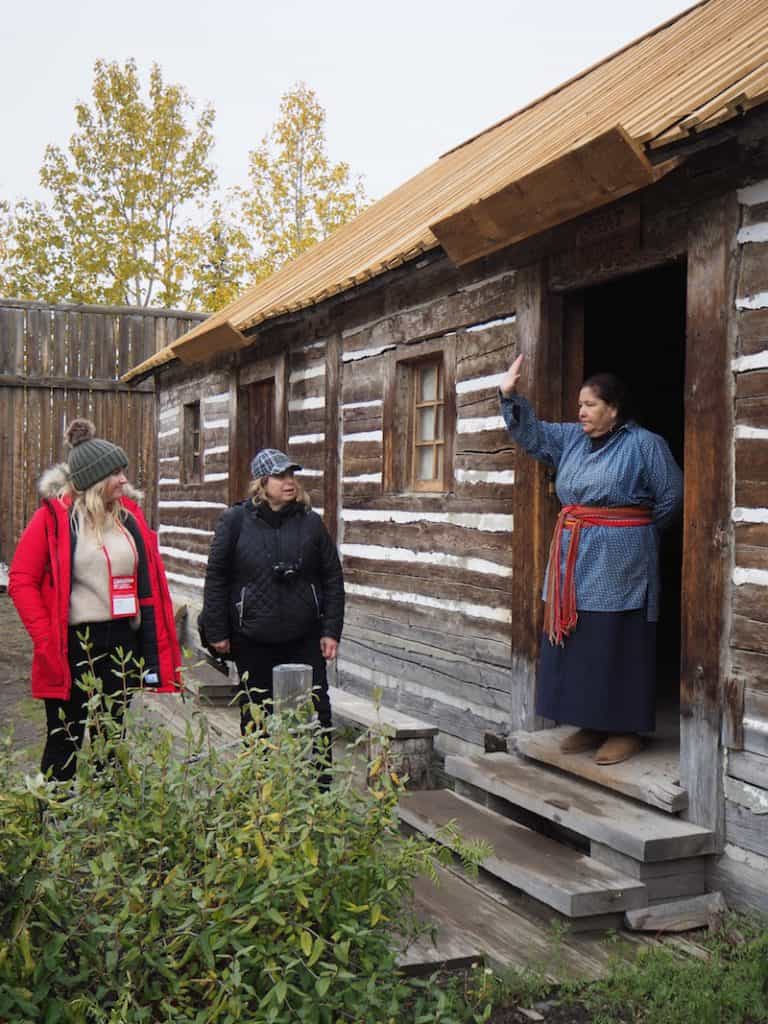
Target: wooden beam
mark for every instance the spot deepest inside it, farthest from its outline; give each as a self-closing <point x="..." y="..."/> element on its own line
<point x="15" y="380"/>
<point x="539" y="316"/>
<point x="221" y="337"/>
<point x="587" y="177"/>
<point x="706" y="516"/>
<point x="678" y="915"/>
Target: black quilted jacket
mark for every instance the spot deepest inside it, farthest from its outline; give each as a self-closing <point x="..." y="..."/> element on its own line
<point x="243" y="593"/>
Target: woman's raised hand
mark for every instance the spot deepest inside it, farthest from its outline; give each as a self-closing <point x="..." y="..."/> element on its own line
<point x="509" y="381"/>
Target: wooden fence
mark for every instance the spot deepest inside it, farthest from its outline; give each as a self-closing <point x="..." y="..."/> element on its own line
<point x="58" y="362"/>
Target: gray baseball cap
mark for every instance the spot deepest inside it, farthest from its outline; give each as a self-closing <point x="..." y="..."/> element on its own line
<point x="271" y="462"/>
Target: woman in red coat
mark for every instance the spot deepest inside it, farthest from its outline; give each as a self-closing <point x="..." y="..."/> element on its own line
<point x="88" y="562"/>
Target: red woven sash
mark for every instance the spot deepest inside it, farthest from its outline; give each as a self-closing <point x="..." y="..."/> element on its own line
<point x="560" y="615"/>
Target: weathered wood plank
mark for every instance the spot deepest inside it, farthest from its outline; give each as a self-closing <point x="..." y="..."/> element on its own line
<point x="749" y="635"/>
<point x="538" y="330"/>
<point x="456" y="678"/>
<point x="467" y="722"/>
<point x="752" y="557"/>
<point x="754" y="259"/>
<point x="751" y="534"/>
<point x="707" y="502"/>
<point x="752" y="325"/>
<point x="745" y="829"/>
<point x="752" y="412"/>
<point x="751" y="768"/>
<point x="753" y="383"/>
<point x="679" y="915"/>
<point x="440" y="636"/>
<point x="751" y="459"/>
<point x="651" y="777"/>
<point x="429" y="537"/>
<point x="462" y="308"/>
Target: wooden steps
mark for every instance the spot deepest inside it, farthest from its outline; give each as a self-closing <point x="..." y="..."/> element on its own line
<point x="652" y="776"/>
<point x="466" y="918"/>
<point x="556" y="875"/>
<point x="637" y="831"/>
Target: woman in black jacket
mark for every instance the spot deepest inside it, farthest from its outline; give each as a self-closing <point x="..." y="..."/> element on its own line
<point x="274" y="589"/>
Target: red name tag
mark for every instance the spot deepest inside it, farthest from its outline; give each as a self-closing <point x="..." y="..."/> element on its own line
<point x="124" y="597"/>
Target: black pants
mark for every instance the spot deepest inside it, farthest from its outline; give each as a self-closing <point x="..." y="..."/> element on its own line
<point x="65" y="737"/>
<point x="255" y="661"/>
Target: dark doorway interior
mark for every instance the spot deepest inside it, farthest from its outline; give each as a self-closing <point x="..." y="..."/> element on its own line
<point x="635" y="327"/>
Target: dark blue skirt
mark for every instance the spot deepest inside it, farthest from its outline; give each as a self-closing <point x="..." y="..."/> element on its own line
<point x="604" y="676"/>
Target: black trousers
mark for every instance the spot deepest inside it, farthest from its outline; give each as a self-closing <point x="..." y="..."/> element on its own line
<point x="255" y="661"/>
<point x="66" y="719"/>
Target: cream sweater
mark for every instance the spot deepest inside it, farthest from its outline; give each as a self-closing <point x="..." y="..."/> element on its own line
<point x="89" y="595"/>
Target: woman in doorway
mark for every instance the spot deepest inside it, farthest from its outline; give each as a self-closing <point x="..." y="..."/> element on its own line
<point x="274" y="590"/>
<point x="88" y="563"/>
<point x="619" y="485"/>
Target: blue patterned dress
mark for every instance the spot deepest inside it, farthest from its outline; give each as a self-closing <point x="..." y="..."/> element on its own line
<point x="604" y="676"/>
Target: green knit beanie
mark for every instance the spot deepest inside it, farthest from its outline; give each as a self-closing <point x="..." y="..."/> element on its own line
<point x="91" y="458"/>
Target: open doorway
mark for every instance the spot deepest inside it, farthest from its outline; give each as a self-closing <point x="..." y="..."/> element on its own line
<point x="635" y="326"/>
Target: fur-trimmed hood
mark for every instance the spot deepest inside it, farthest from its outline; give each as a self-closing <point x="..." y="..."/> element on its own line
<point x="55" y="480"/>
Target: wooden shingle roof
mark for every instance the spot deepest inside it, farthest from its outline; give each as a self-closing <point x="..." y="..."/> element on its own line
<point x="690" y="74"/>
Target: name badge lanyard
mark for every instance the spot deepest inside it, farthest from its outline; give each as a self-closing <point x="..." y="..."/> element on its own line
<point x="123" y="590"/>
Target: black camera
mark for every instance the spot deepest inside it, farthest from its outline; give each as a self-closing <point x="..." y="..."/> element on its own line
<point x="284" y="572"/>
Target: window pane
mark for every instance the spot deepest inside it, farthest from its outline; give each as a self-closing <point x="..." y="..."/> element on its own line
<point x="428" y="378"/>
<point x="439" y="460"/>
<point x="425" y="430"/>
<point x="425" y="463"/>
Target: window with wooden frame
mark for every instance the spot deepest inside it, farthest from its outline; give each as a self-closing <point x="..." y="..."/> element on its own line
<point x="427" y="425"/>
<point x="419" y="419"/>
<point x="192" y="445"/>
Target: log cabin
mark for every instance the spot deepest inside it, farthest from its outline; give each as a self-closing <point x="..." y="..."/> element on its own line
<point x="619" y="222"/>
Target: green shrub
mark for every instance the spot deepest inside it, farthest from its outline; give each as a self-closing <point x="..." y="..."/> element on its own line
<point x="203" y="887"/>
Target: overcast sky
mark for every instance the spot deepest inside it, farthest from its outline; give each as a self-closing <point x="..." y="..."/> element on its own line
<point x="401" y="80"/>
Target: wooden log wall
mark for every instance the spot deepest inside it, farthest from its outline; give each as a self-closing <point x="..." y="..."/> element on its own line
<point x="429" y="577"/>
<point x="187" y="511"/>
<point x="746" y="782"/>
<point x="62" y="361"/>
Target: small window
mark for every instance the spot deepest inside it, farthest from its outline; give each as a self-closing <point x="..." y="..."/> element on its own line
<point x="427" y="455"/>
<point x="192" y="461"/>
<point x="419" y="418"/>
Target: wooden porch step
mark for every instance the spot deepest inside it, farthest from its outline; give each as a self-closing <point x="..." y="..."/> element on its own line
<point x="562" y="878"/>
<point x="466" y="919"/>
<point x="587" y="809"/>
<point x="652" y="776"/>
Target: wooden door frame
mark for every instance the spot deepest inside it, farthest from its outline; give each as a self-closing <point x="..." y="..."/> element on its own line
<point x="545" y="332"/>
<point x="240" y="380"/>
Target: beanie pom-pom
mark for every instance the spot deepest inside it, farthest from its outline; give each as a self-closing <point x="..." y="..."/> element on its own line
<point x="79" y="431"/>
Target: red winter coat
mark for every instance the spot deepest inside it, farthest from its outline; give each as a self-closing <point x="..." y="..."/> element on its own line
<point x="40" y="582"/>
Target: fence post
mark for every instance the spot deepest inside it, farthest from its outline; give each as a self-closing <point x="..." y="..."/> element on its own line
<point x="291" y="684"/>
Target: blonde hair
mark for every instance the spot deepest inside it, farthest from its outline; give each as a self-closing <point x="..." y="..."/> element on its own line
<point x="89" y="508"/>
<point x="258" y="493"/>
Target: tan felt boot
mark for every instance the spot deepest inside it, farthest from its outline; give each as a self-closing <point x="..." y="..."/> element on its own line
<point x="581" y="740"/>
<point x="619" y="748"/>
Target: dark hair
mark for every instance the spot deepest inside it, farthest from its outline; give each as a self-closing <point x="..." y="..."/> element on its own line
<point x="610" y="389"/>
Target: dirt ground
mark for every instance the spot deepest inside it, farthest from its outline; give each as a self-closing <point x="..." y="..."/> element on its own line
<point x="20" y="716"/>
